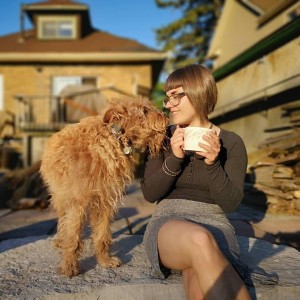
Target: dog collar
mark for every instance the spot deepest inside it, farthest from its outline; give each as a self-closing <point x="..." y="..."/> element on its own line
<point x="118" y="131"/>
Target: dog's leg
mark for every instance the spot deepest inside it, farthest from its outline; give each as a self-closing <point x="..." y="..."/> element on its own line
<point x="69" y="240"/>
<point x="102" y="238"/>
<point x="60" y="212"/>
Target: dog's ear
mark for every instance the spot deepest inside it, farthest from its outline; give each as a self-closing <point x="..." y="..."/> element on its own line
<point x="112" y="115"/>
<point x="109" y="115"/>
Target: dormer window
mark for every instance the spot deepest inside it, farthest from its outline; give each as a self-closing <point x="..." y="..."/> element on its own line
<point x="57" y="27"/>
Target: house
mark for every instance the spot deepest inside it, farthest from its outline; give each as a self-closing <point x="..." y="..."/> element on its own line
<point x="63" y="51"/>
<point x="256" y="63"/>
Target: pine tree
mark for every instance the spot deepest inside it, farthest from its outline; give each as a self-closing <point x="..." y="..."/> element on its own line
<point x="188" y="38"/>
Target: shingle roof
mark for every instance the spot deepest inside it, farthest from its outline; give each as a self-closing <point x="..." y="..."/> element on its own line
<point x="92" y="41"/>
<point x="95" y="46"/>
<point x="97" y="41"/>
<point x="55" y="2"/>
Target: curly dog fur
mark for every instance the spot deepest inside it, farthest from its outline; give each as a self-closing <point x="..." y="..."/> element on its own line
<point x="86" y="171"/>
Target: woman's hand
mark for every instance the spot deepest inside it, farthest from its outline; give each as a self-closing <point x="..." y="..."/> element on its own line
<point x="213" y="149"/>
<point x="177" y="142"/>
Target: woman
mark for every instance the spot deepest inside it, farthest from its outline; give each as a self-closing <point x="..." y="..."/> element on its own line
<point x="189" y="230"/>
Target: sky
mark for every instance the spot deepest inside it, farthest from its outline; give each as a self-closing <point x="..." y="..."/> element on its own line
<point x="134" y="19"/>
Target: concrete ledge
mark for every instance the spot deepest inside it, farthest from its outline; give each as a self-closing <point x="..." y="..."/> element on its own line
<point x="28" y="271"/>
<point x="128" y="292"/>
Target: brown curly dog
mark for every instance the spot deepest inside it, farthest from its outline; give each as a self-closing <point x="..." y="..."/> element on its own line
<point x="87" y="166"/>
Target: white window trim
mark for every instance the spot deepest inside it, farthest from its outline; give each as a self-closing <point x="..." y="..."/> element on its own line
<point x="72" y="19"/>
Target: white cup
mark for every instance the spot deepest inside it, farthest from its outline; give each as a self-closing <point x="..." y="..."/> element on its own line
<point x="193" y="136"/>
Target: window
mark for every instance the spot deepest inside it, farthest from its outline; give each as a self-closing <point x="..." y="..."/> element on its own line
<point x="60" y="82"/>
<point x="78" y="97"/>
<point x="57" y="27"/>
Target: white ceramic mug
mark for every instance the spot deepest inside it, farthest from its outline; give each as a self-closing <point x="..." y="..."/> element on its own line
<point x="193" y="136"/>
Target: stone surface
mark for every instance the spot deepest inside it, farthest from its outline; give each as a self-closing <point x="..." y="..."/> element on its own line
<point x="28" y="271"/>
<point x="4" y="212"/>
<point x="28" y="261"/>
<point x="25" y="223"/>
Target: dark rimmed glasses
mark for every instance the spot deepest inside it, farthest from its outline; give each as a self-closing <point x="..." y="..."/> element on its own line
<point x="174" y="100"/>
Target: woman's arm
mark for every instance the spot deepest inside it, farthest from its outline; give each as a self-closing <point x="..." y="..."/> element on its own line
<point x="160" y="175"/>
<point x="226" y="182"/>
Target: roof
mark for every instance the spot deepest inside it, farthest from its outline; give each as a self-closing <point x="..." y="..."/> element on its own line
<point x="95" y="46"/>
<point x="58" y="7"/>
<point x="98" y="46"/>
<point x="55" y="3"/>
<point x="97" y="41"/>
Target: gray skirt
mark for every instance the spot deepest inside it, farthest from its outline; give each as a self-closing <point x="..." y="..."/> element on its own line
<point x="209" y="216"/>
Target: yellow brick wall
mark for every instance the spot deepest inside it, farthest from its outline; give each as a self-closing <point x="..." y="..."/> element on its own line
<point x="37" y="80"/>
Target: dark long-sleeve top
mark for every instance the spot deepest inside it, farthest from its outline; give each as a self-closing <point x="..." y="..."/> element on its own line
<point x="221" y="183"/>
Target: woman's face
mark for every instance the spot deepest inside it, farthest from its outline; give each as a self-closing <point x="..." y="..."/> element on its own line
<point x="183" y="114"/>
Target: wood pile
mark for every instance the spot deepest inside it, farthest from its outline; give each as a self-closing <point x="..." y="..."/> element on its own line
<point x="274" y="179"/>
<point x="23" y="188"/>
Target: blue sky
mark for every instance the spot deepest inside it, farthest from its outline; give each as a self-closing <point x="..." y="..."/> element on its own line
<point x="134" y="19"/>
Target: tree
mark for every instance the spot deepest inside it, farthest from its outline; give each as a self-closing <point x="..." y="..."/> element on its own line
<point x="187" y="39"/>
<point x="158" y="96"/>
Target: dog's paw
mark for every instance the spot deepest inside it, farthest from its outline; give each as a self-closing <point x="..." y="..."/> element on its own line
<point x="111" y="262"/>
<point x="70" y="270"/>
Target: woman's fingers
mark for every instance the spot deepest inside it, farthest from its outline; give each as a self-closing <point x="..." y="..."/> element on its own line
<point x="212" y="149"/>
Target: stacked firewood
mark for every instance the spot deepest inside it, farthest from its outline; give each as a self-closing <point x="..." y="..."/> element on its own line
<point x="275" y="176"/>
<point x="23" y="188"/>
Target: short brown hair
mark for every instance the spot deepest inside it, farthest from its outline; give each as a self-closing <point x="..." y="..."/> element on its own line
<point x="199" y="85"/>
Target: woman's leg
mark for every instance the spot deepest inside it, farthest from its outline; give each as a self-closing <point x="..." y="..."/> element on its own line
<point x="191" y="248"/>
<point x="190" y="283"/>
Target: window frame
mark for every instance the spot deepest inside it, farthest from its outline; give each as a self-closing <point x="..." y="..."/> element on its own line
<point x="57" y="20"/>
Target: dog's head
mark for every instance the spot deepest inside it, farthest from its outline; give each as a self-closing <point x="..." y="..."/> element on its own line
<point x="142" y="124"/>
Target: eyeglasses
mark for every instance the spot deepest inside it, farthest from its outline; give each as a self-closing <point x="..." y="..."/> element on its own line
<point x="174" y="99"/>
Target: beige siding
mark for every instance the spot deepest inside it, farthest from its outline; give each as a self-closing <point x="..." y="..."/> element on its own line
<point x="252" y="128"/>
<point x="270" y="75"/>
<point x="238" y="30"/>
<point x="276" y="72"/>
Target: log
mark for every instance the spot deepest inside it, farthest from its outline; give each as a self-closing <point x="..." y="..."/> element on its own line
<point x="289" y="185"/>
<point x="283" y="172"/>
<point x="273" y="192"/>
